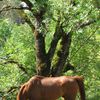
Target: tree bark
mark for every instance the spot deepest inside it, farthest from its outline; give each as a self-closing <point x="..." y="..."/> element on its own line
<point x="62" y="53"/>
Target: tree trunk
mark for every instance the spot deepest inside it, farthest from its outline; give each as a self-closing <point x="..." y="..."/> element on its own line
<point x="62" y="53"/>
<point x="43" y="59"/>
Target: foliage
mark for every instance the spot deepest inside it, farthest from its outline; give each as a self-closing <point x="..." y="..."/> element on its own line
<point x="17" y="45"/>
<point x="85" y="48"/>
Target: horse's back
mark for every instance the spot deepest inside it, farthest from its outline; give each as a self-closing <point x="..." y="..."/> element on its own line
<point x="51" y="88"/>
<point x="56" y="84"/>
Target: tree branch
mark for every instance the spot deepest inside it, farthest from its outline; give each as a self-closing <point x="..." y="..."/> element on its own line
<point x="84" y="24"/>
<point x="7" y="8"/>
<point x="40" y="50"/>
<point x="18" y="64"/>
<point x="10" y="90"/>
<point x="54" y="42"/>
<point x="40" y="42"/>
<point x="62" y="54"/>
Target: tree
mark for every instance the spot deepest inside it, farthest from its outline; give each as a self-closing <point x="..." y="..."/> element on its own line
<point x="67" y="18"/>
<point x="62" y="35"/>
<point x="43" y="58"/>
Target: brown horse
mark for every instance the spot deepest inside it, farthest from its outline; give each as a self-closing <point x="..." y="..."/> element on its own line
<point x="51" y="88"/>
